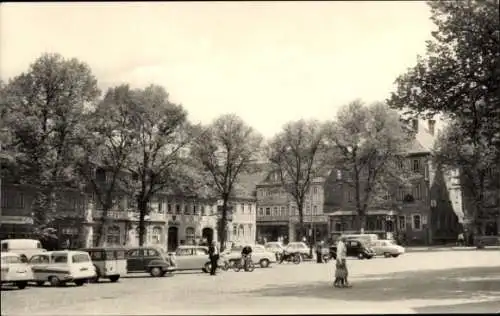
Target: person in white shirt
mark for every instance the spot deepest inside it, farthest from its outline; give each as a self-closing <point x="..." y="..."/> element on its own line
<point x="341" y="265"/>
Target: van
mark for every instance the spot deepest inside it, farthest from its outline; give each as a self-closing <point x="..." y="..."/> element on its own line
<point x="14" y="271"/>
<point x="108" y="262"/>
<point x="25" y="248"/>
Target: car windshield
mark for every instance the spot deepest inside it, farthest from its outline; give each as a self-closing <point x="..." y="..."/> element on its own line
<point x="11" y="259"/>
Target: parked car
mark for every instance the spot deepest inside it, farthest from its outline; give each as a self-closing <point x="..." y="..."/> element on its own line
<point x="355" y="248"/>
<point x="368" y="239"/>
<point x="275" y="247"/>
<point x="61" y="267"/>
<point x="14" y="270"/>
<point x="108" y="262"/>
<point x="300" y="247"/>
<point x="194" y="258"/>
<point x="149" y="259"/>
<point x="260" y="255"/>
<point x="387" y="248"/>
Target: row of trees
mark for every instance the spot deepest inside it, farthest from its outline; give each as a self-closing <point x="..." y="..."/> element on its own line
<point x="60" y="133"/>
<point x="459" y="78"/>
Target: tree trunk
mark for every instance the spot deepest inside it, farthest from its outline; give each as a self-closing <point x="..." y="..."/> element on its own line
<point x="302" y="227"/>
<point x="143" y="208"/>
<point x="101" y="227"/>
<point x="223" y="225"/>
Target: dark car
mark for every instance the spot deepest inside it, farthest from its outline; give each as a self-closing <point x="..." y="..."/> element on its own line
<point x="355" y="248"/>
<point x="149" y="259"/>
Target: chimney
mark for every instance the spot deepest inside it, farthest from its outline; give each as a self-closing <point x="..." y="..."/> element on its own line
<point x="432" y="125"/>
<point x="414" y="124"/>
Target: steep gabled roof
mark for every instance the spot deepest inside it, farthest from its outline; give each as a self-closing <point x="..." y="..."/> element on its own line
<point x="247" y="182"/>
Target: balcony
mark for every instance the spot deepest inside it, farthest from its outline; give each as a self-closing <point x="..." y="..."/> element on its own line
<point x="111" y="215"/>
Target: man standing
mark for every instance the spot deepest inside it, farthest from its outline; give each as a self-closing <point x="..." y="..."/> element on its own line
<point x="213" y="254"/>
<point x="319" y="252"/>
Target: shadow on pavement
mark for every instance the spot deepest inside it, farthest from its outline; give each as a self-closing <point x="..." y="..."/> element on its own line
<point x="446" y="284"/>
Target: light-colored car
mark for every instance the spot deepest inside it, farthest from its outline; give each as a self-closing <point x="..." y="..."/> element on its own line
<point x="300" y="247"/>
<point x="23" y="247"/>
<point x="15" y="271"/>
<point x="260" y="255"/>
<point x="193" y="258"/>
<point x="387" y="248"/>
<point x="61" y="267"/>
<point x="275" y="247"/>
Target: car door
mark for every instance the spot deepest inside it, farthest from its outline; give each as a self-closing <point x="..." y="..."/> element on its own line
<point x="135" y="260"/>
<point x="38" y="264"/>
<point x="151" y="254"/>
<point x="377" y="247"/>
<point x="183" y="258"/>
<point x="200" y="258"/>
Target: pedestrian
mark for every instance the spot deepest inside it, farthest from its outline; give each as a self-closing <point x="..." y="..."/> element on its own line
<point x="460" y="239"/>
<point x="213" y="254"/>
<point x="319" y="252"/>
<point x="341" y="272"/>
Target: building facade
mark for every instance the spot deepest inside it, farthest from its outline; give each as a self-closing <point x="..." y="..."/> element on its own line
<point x="278" y="215"/>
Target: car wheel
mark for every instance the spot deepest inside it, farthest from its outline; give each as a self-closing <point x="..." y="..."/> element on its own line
<point x="225" y="266"/>
<point x="207" y="268"/>
<point x="21" y="285"/>
<point x="361" y="256"/>
<point x="79" y="282"/>
<point x="395" y="255"/>
<point x="387" y="255"/>
<point x="155" y="272"/>
<point x="264" y="263"/>
<point x="251" y="267"/>
<point x="114" y="278"/>
<point x="297" y="259"/>
<point x="40" y="283"/>
<point x="54" y="281"/>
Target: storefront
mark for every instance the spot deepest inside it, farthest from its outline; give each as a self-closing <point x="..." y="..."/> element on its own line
<point x="272" y="231"/>
<point x="16" y="227"/>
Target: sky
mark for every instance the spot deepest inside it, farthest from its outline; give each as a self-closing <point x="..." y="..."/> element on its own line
<point x="268" y="62"/>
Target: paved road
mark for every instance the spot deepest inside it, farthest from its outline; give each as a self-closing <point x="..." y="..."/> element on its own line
<point x="414" y="283"/>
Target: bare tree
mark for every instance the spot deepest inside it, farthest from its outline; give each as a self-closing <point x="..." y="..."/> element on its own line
<point x="298" y="155"/>
<point x="370" y="144"/>
<point x="105" y="147"/>
<point x="226" y="149"/>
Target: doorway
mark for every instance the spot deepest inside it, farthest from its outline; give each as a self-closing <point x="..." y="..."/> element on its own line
<point x="173" y="238"/>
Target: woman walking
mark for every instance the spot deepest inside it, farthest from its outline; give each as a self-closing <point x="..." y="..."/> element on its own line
<point x="341" y="272"/>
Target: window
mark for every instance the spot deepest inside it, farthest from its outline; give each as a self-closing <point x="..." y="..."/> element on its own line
<point x="169" y="208"/>
<point x="202" y="210"/>
<point x="201" y="252"/>
<point x="268" y="211"/>
<point x="417" y="194"/>
<point x="294" y="210"/>
<point x="60" y="258"/>
<point x="135" y="253"/>
<point x="275" y="211"/>
<point x="10" y="259"/>
<point x="417" y="225"/>
<point x="113" y="235"/>
<point x="235" y="230"/>
<point x="401" y="194"/>
<point x="177" y="209"/>
<point x="349" y="195"/>
<point x="315" y="209"/>
<point x="80" y="258"/>
<point x="152" y="253"/>
<point x="184" y="252"/>
<point x="315" y="190"/>
<point x="283" y="211"/>
<point x="156" y="235"/>
<point x="402" y="222"/>
<point x="12" y="199"/>
<point x="308" y="209"/>
<point x="186" y="209"/>
<point x="40" y="259"/>
<point x="261" y="211"/>
<point x="416" y="165"/>
<point x="194" y="209"/>
<point x="190" y="235"/>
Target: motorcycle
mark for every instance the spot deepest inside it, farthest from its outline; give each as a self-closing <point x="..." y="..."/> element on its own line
<point x="294" y="257"/>
<point x="247" y="266"/>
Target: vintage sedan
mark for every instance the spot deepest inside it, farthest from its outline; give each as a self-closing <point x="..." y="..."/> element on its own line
<point x="387" y="248"/>
<point x="260" y="255"/>
<point x="195" y="258"/>
<point x="149" y="259"/>
<point x="299" y="247"/>
<point x="15" y="271"/>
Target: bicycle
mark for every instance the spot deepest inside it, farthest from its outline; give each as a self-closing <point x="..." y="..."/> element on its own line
<point x="249" y="265"/>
